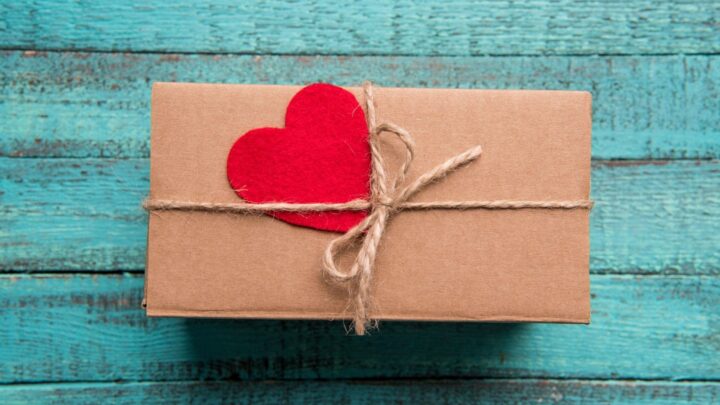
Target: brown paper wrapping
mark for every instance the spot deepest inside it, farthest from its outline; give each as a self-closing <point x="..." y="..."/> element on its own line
<point x="528" y="265"/>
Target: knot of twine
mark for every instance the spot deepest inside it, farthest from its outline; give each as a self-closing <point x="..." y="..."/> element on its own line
<point x="386" y="199"/>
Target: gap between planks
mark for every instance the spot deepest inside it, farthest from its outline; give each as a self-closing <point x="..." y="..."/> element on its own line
<point x="381" y="380"/>
<point x="358" y="55"/>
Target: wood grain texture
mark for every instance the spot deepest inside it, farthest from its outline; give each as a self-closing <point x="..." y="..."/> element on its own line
<point x="370" y="392"/>
<point x="84" y="214"/>
<point x="458" y="27"/>
<point x="97" y="105"/>
<point x="653" y="68"/>
<point x="91" y="328"/>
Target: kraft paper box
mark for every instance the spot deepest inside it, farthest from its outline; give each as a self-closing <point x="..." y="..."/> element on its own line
<point x="526" y="265"/>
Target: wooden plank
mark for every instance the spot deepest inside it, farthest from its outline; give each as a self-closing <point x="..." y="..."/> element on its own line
<point x="73" y="214"/>
<point x="91" y="328"/>
<point x="97" y="105"/>
<point x="459" y="27"/>
<point x="83" y="214"/>
<point x="375" y="392"/>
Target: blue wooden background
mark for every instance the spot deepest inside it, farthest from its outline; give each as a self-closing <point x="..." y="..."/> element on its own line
<point x="75" y="81"/>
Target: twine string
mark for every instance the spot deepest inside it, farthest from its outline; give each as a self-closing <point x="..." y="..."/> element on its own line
<point x="386" y="199"/>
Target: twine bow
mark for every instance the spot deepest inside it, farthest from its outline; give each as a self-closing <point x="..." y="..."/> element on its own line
<point x="386" y="198"/>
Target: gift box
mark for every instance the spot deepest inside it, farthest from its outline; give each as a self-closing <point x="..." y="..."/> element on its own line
<point x="505" y="237"/>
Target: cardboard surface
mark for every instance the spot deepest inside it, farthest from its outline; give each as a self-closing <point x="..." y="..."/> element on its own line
<point x="485" y="265"/>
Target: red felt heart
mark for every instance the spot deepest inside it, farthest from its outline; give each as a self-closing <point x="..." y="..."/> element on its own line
<point x="322" y="155"/>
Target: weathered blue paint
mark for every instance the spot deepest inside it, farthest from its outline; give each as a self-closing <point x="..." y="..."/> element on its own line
<point x="81" y="105"/>
<point x="91" y="328"/>
<point x="457" y="27"/>
<point x="654" y="71"/>
<point x="502" y="391"/>
<point x="84" y="214"/>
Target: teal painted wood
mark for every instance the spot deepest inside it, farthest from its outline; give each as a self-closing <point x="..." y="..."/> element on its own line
<point x="458" y="27"/>
<point x="370" y="392"/>
<point x="91" y="328"/>
<point x="74" y="214"/>
<point x="97" y="105"/>
<point x="84" y="214"/>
